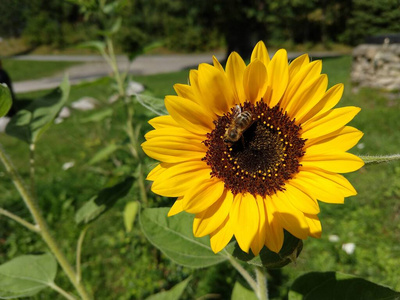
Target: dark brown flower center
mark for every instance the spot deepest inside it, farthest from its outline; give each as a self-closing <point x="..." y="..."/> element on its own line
<point x="256" y="154"/>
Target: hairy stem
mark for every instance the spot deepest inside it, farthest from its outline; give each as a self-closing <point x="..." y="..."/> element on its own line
<point x="32" y="169"/>
<point x="370" y="159"/>
<point x="262" y="291"/>
<point x="61" y="291"/>
<point x="79" y="252"/>
<point x="19" y="220"/>
<point x="40" y="222"/>
<point x="242" y="271"/>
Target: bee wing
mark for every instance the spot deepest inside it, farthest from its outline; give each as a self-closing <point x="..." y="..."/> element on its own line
<point x="236" y="110"/>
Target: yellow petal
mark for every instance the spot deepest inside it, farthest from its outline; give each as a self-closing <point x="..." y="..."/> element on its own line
<point x="235" y="67"/>
<point x="300" y="197"/>
<point x="305" y="75"/>
<point x="296" y="65"/>
<point x="334" y="181"/>
<point x="174" y="132"/>
<point x="278" y="77"/>
<point x="215" y="89"/>
<point x="315" y="225"/>
<point x="176" y="208"/>
<point x="274" y="235"/>
<point x="245" y="219"/>
<point x="209" y="220"/>
<point x="184" y="91"/>
<point x="155" y="172"/>
<point x="259" y="240"/>
<point x="340" y="140"/>
<point x="222" y="236"/>
<point x="329" y="122"/>
<point x="176" y="180"/>
<point x="320" y="189"/>
<point x="162" y="122"/>
<point x="194" y="84"/>
<point x="291" y="218"/>
<point x="307" y="97"/>
<point x="217" y="64"/>
<point x="255" y="81"/>
<point x="333" y="162"/>
<point x="189" y="115"/>
<point x="203" y="195"/>
<point x="327" y="102"/>
<point x="174" y="149"/>
<point x="260" y="52"/>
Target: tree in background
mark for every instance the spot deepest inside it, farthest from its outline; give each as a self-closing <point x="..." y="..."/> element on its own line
<point x="200" y="25"/>
<point x="370" y="18"/>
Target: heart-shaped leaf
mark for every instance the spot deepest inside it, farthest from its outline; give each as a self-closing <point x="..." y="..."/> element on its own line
<point x="333" y="285"/>
<point x="26" y="275"/>
<point x="104" y="200"/>
<point x="174" y="237"/>
<point x="155" y="105"/>
<point x="5" y="100"/>
<point x="173" y="294"/>
<point x="103" y="153"/>
<point x="29" y="123"/>
<point x="240" y="292"/>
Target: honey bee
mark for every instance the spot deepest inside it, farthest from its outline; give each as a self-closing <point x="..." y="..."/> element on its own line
<point x="241" y="121"/>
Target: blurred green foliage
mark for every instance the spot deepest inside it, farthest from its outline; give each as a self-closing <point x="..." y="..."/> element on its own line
<point x="201" y="25"/>
<point x="120" y="265"/>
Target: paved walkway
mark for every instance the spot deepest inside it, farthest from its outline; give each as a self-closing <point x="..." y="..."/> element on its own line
<point x="94" y="67"/>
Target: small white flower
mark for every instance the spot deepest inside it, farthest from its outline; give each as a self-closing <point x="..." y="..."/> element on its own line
<point x="333" y="238"/>
<point x="85" y="103"/>
<point x="68" y="165"/>
<point x="349" y="248"/>
<point x="134" y="88"/>
<point x="64" y="113"/>
<point x="361" y="146"/>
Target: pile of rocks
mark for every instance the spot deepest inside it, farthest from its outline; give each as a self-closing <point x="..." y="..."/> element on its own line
<point x="377" y="66"/>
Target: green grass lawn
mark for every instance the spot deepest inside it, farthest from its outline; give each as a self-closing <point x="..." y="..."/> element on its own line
<point x="127" y="267"/>
<point x="20" y="70"/>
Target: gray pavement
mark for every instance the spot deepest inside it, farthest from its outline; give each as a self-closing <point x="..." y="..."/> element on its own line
<point x="94" y="67"/>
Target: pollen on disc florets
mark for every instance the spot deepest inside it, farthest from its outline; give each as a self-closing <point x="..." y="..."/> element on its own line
<point x="266" y="155"/>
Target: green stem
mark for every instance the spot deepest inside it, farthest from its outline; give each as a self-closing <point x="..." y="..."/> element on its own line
<point x="262" y="291"/>
<point x="79" y="252"/>
<point x="242" y="271"/>
<point x="32" y="169"/>
<point x="114" y="65"/>
<point x="42" y="225"/>
<point x="19" y="220"/>
<point x="133" y="147"/>
<point x="141" y="185"/>
<point x="370" y="159"/>
<point x="61" y="291"/>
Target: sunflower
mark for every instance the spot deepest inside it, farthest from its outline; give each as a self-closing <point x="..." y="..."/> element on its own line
<point x="251" y="149"/>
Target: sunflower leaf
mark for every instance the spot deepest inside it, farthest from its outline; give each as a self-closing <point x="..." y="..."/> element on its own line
<point x="334" y="285"/>
<point x="5" y="100"/>
<point x="241" y="292"/>
<point x="173" y="294"/>
<point x="26" y="275"/>
<point x="30" y="123"/>
<point x="103" y="201"/>
<point x="153" y="104"/>
<point x="174" y="237"/>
